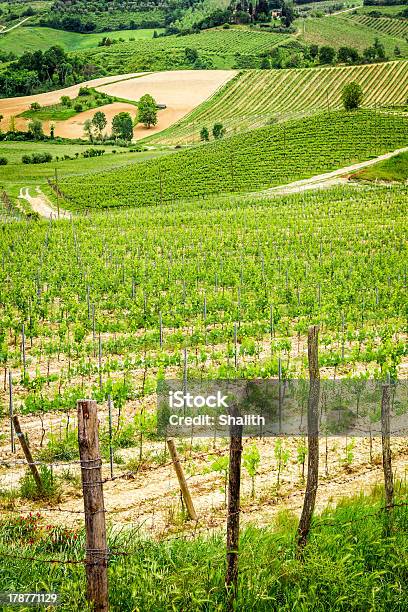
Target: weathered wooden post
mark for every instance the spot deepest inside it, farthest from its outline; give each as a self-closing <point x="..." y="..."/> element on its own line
<point x="182" y="480"/>
<point x="386" y="445"/>
<point x="91" y="471"/>
<point x="28" y="455"/>
<point x="234" y="489"/>
<point x="312" y="436"/>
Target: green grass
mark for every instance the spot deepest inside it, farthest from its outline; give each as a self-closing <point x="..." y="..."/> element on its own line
<point x="345" y="566"/>
<point x="340" y="31"/>
<point x="32" y="38"/>
<point x="16" y="175"/>
<point x="390" y="170"/>
<point x="59" y="112"/>
<point x="256" y="97"/>
<point x="258" y="159"/>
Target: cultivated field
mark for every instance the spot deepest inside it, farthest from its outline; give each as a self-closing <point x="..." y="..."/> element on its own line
<point x="255" y="98"/>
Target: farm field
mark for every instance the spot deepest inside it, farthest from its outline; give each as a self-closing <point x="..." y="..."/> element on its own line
<point x="29" y="38"/>
<point x="283" y="153"/>
<point x="256" y="97"/>
<point x="217" y="47"/>
<point x="249" y="250"/>
<point x="393" y="27"/>
<point x="167" y="88"/>
<point x="341" y="30"/>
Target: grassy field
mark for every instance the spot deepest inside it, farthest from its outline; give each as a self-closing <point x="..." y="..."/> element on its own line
<point x="32" y="38"/>
<point x="340" y="30"/>
<point x="391" y="170"/>
<point x="256" y="97"/>
<point x="367" y="571"/>
<point x="217" y="47"/>
<point x="16" y="175"/>
<point x="248" y="162"/>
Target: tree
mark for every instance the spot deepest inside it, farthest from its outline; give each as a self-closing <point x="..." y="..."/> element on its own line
<point x="348" y="55"/>
<point x="88" y="129"/>
<point x="326" y="55"/>
<point x="288" y="15"/>
<point x="265" y="63"/>
<point x="122" y="126"/>
<point x="191" y="55"/>
<point x="66" y="101"/>
<point x="218" y="131"/>
<point x="204" y="134"/>
<point x="99" y="122"/>
<point x="147" y="111"/>
<point x="352" y="96"/>
<point x="35" y="128"/>
<point x="35" y="106"/>
<point x="52" y="130"/>
<point x="1" y="119"/>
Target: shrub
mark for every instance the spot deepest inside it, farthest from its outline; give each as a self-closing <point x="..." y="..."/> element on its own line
<point x="78" y="107"/>
<point x="3" y="161"/>
<point x="35" y="106"/>
<point x="37" y="158"/>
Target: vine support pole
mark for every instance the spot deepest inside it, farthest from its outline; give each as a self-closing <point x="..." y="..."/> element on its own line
<point x="234" y="490"/>
<point x="91" y="471"/>
<point x="312" y="436"/>
<point x="386" y="445"/>
<point x="28" y="455"/>
<point x="182" y="480"/>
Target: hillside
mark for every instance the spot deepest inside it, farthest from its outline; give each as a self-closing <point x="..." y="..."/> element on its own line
<point x="342" y="30"/>
<point x="249" y="162"/>
<point x="24" y="39"/>
<point x="255" y="98"/>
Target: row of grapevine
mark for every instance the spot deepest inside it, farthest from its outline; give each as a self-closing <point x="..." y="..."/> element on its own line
<point x="255" y="97"/>
<point x="394" y="27"/>
<point x="249" y="162"/>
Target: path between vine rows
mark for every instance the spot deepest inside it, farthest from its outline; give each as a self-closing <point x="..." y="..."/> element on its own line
<point x="41" y="205"/>
<point x="327" y="179"/>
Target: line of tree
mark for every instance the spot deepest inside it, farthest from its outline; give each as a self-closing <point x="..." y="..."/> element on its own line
<point x="32" y="70"/>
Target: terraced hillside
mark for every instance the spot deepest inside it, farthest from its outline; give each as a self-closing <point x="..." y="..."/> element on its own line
<point x="217" y="47"/>
<point x="248" y="162"/>
<point x="340" y="30"/>
<point x="255" y="97"/>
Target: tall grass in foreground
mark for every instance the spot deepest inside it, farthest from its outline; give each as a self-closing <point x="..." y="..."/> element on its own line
<point x="349" y="564"/>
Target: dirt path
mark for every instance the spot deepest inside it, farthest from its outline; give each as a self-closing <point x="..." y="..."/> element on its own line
<point x="326" y="180"/>
<point x="353" y="8"/>
<point x="15" y="26"/>
<point x="41" y="205"/>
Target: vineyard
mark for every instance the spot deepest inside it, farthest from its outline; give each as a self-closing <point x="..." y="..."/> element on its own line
<point x="107" y="305"/>
<point x="384" y="25"/>
<point x="339" y="31"/>
<point x="249" y="162"/>
<point x="216" y="46"/>
<point x="255" y="97"/>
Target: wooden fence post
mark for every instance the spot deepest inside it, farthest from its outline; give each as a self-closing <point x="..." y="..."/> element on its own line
<point x="312" y="436"/>
<point x="386" y="445"/>
<point x="234" y="486"/>
<point x="91" y="470"/>
<point x="28" y="454"/>
<point x="182" y="481"/>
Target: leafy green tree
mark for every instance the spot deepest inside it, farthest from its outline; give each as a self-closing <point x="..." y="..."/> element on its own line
<point x="352" y="95"/>
<point x="147" y="108"/>
<point x="265" y="63"/>
<point x="35" y="128"/>
<point x="66" y="101"/>
<point x="204" y="134"/>
<point x="327" y="55"/>
<point x="218" y="131"/>
<point x="35" y="106"/>
<point x="99" y="122"/>
<point x="88" y="129"/>
<point x="122" y="126"/>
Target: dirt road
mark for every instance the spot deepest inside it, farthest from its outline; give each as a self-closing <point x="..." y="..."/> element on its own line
<point x="41" y="205"/>
<point x="326" y="180"/>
